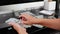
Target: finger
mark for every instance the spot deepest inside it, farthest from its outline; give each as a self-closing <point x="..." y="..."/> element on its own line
<point x="11" y="23"/>
<point x="24" y="22"/>
<point x="17" y="26"/>
<point x="14" y="24"/>
<point x="24" y="19"/>
<point x="24" y="15"/>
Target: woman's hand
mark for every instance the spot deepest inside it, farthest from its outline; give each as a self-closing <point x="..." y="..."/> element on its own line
<point x="18" y="28"/>
<point x="28" y="19"/>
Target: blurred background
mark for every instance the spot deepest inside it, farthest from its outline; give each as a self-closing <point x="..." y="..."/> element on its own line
<point x="13" y="8"/>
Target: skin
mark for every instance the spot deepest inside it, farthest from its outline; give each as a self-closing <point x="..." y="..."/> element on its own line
<point x="51" y="23"/>
<point x="18" y="28"/>
<point x="29" y="20"/>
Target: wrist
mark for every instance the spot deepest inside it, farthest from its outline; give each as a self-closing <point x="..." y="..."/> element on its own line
<point x="38" y="21"/>
<point x="22" y="32"/>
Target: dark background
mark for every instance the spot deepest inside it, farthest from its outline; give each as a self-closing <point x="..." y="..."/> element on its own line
<point x="7" y="2"/>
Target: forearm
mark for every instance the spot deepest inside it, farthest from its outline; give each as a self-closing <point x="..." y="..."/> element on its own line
<point x="22" y="32"/>
<point x="51" y="23"/>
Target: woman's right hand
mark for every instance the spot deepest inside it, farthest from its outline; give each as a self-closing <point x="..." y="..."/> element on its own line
<point x="28" y="19"/>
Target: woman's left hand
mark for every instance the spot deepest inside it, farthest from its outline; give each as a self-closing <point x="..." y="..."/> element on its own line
<point x="18" y="28"/>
